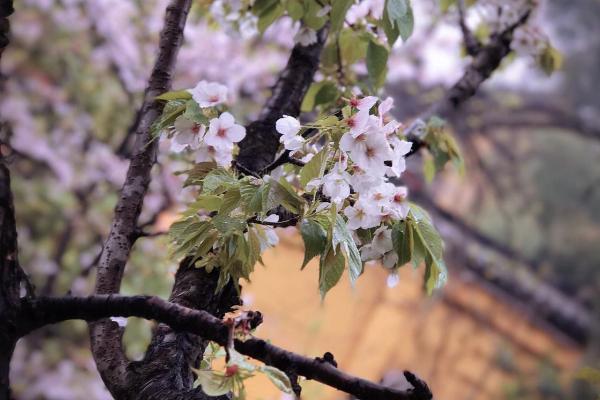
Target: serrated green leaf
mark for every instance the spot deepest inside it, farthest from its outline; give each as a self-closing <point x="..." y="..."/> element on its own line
<point x="175" y="95"/>
<point x="193" y="112"/>
<point x="226" y="225"/>
<point x="281" y="193"/>
<point x="339" y="9"/>
<point x="308" y="103"/>
<point x="403" y="241"/>
<point x="231" y="200"/>
<point x="396" y="9"/>
<point x="217" y="181"/>
<point x="267" y="12"/>
<point x="390" y="28"/>
<point x="341" y="235"/>
<point x="279" y="378"/>
<point x="172" y="110"/>
<point x="206" y="245"/>
<point x="311" y="18"/>
<point x="377" y="57"/>
<point x="295" y="9"/>
<point x="315" y="239"/>
<point x="328" y="93"/>
<point x="331" y="269"/>
<point x="208" y="202"/>
<point x="406" y="24"/>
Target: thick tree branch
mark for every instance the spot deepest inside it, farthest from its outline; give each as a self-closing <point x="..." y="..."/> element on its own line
<point x="105" y="336"/>
<point x="259" y="147"/>
<point x="485" y="62"/>
<point x="42" y="311"/>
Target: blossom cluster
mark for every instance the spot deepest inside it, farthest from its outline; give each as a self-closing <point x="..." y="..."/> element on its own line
<point x="366" y="153"/>
<point x="216" y="141"/>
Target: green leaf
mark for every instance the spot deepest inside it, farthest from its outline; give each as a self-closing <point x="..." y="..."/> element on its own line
<point x="315" y="239"/>
<point x="295" y="9"/>
<point x="197" y="173"/>
<point x="341" y="235"/>
<point x="226" y="225"/>
<point x="311" y="19"/>
<point x="193" y="112"/>
<point x="214" y="384"/>
<point x="403" y="241"/>
<point x="281" y="193"/>
<point x="328" y="93"/>
<point x="267" y="12"/>
<point x="206" y="244"/>
<point x="436" y="274"/>
<point x="428" y="242"/>
<point x="279" y="378"/>
<point x="208" y="202"/>
<point x="377" y="57"/>
<point x="397" y="9"/>
<point x="170" y="113"/>
<point x="331" y="269"/>
<point x="308" y="103"/>
<point x="231" y="201"/>
<point x="315" y="167"/>
<point x="218" y="180"/>
<point x="175" y="95"/>
<point x="390" y="28"/>
<point x="406" y="24"/>
<point x="339" y="9"/>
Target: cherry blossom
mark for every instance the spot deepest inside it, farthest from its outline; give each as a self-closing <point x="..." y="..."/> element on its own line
<point x="187" y="134"/>
<point x="289" y="127"/>
<point x="364" y="103"/>
<point x="358" y="122"/>
<point x="399" y="151"/>
<point x="209" y="94"/>
<point x="336" y="185"/>
<point x="362" y="215"/>
<point x="223" y="131"/>
<point x="223" y="156"/>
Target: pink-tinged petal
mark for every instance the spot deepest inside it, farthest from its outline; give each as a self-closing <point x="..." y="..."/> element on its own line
<point x="227" y="120"/>
<point x="402" y="147"/>
<point x="367" y="102"/>
<point x="213" y="127"/>
<point x="385" y="106"/>
<point x="236" y="133"/>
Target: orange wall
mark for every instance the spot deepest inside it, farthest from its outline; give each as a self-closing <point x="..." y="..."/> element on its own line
<point x="451" y="340"/>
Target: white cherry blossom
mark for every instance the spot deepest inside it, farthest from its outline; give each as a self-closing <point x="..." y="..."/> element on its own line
<point x="223" y="131"/>
<point x="358" y="122"/>
<point x="362" y="215"/>
<point x="223" y="156"/>
<point x="364" y="103"/>
<point x="209" y="94"/>
<point x="399" y="151"/>
<point x="336" y="185"/>
<point x="188" y="134"/>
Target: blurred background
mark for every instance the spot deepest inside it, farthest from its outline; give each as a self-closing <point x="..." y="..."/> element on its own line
<point x="519" y="316"/>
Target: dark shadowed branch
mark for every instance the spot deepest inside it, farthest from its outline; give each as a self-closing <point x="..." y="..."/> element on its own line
<point x="105" y="336"/>
<point x="41" y="311"/>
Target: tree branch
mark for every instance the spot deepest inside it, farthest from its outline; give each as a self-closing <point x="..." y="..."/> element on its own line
<point x="105" y="336"/>
<point x="41" y="311"/>
<point x="486" y="61"/>
<point x="259" y="147"/>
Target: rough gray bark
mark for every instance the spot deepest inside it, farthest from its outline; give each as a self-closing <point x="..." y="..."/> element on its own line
<point x="106" y="335"/>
